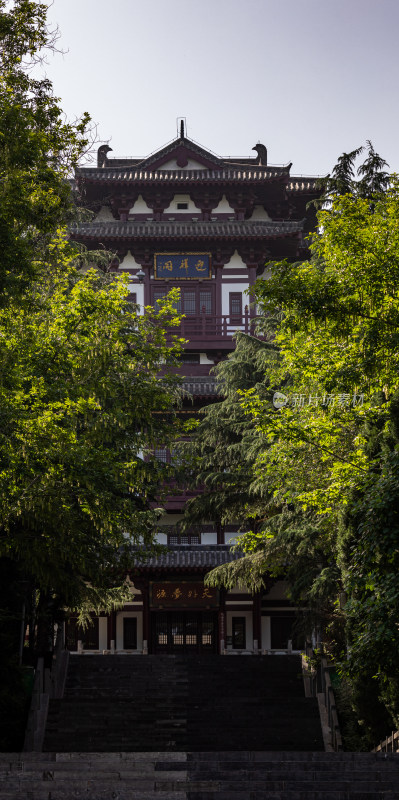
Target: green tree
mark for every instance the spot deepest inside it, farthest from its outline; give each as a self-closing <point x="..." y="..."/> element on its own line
<point x="81" y="401"/>
<point x="277" y="537"/>
<point x="325" y="460"/>
<point x="38" y="149"/>
<point x="82" y="407"/>
<point x="331" y="449"/>
<point x="82" y="404"/>
<point x="222" y="448"/>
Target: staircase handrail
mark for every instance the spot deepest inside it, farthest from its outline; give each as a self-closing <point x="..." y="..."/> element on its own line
<point x="319" y="685"/>
<point x="389" y="745"/>
<point x="48" y="683"/>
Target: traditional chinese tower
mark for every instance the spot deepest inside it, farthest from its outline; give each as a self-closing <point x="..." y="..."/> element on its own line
<point x="185" y="217"/>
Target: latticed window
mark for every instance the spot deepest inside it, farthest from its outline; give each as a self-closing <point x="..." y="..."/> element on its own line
<point x="189" y="358"/>
<point x="161" y="454"/>
<point x="205" y="299"/>
<point x="235" y="303"/>
<point x="193" y="301"/>
<point x="184" y="538"/>
<point x="187" y="302"/>
<point x="167" y="456"/>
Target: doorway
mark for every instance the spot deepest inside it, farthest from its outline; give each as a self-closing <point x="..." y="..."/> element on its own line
<point x="184" y="632"/>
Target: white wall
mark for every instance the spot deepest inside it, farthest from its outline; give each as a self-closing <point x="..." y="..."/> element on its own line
<point x="259" y="213"/>
<point x="266" y="633"/>
<point x="140" y="207"/>
<point x="266" y="274"/>
<point x="230" y="538"/>
<point x="233" y="287"/>
<point x="224" y="207"/>
<point x="204" y="359"/>
<point x="182" y="198"/>
<point x="236" y="262"/>
<point x="119" y="629"/>
<point x="242" y="284"/>
<point x="128" y="263"/>
<point x="209" y="538"/>
<point x="102" y="633"/>
<point x="277" y="592"/>
<point x="104" y="215"/>
<point x="248" y="625"/>
<point x="138" y="288"/>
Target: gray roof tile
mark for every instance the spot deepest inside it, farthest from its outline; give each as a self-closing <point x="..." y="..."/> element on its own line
<point x="118" y="229"/>
<point x="189" y="556"/>
<point x="245" y="173"/>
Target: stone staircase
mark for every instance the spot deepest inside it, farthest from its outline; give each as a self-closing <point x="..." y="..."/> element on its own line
<point x="183" y="703"/>
<point x="199" y="776"/>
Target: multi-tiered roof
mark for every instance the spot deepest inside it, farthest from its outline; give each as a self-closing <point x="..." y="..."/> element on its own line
<point x="183" y="167"/>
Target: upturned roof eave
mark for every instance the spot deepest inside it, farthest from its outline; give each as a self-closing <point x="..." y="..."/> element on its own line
<point x="131" y="229"/>
<point x="129" y="237"/>
<point x="107" y="176"/>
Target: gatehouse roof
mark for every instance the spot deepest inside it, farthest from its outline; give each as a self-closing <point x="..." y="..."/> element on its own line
<point x="190" y="557"/>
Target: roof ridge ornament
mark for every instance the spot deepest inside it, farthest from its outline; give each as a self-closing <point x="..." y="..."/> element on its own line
<point x="262" y="154"/>
<point x="102" y="155"/>
<point x="182" y="127"/>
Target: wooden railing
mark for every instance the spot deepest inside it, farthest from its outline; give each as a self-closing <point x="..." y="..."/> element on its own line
<point x="389" y="745"/>
<point x="317" y="682"/>
<point x="47" y="684"/>
<point x="212" y="328"/>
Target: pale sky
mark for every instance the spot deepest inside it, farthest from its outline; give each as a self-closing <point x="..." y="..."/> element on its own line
<point x="307" y="78"/>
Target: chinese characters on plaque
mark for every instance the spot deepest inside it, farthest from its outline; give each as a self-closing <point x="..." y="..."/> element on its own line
<point x="182" y="266"/>
<point x="182" y="593"/>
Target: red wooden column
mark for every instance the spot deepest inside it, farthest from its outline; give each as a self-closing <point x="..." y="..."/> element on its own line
<point x="219" y="533"/>
<point x="111" y="629"/>
<point x="147" y="291"/>
<point x="145" y="591"/>
<point x="251" y="280"/>
<point x="222" y="621"/>
<point x="218" y="290"/>
<point x="257" y="618"/>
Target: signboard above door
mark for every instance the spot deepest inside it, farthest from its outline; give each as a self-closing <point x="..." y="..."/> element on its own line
<point x="182" y="594"/>
<point x="182" y="266"/>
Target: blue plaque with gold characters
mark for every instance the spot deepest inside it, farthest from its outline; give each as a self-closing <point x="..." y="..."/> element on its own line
<point x="182" y="266"/>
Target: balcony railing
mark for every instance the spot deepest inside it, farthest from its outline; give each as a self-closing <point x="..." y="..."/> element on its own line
<point x="214" y="330"/>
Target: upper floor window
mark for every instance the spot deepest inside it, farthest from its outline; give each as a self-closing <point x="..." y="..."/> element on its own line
<point x="193" y="301"/>
<point x="189" y="358"/>
<point x="184" y="538"/>
<point x="166" y="455"/>
<point x="161" y="454"/>
<point x="235" y="305"/>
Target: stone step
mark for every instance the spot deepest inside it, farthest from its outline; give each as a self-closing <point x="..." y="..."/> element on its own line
<point x="307" y="760"/>
<point x="157" y="703"/>
<point x="199" y="776"/>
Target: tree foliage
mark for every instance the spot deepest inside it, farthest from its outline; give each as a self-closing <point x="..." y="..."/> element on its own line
<point x="333" y="446"/>
<point x="82" y="406"/>
<point x="325" y="454"/>
<point x="38" y="148"/>
<point x="81" y="401"/>
<point x="222" y="448"/>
